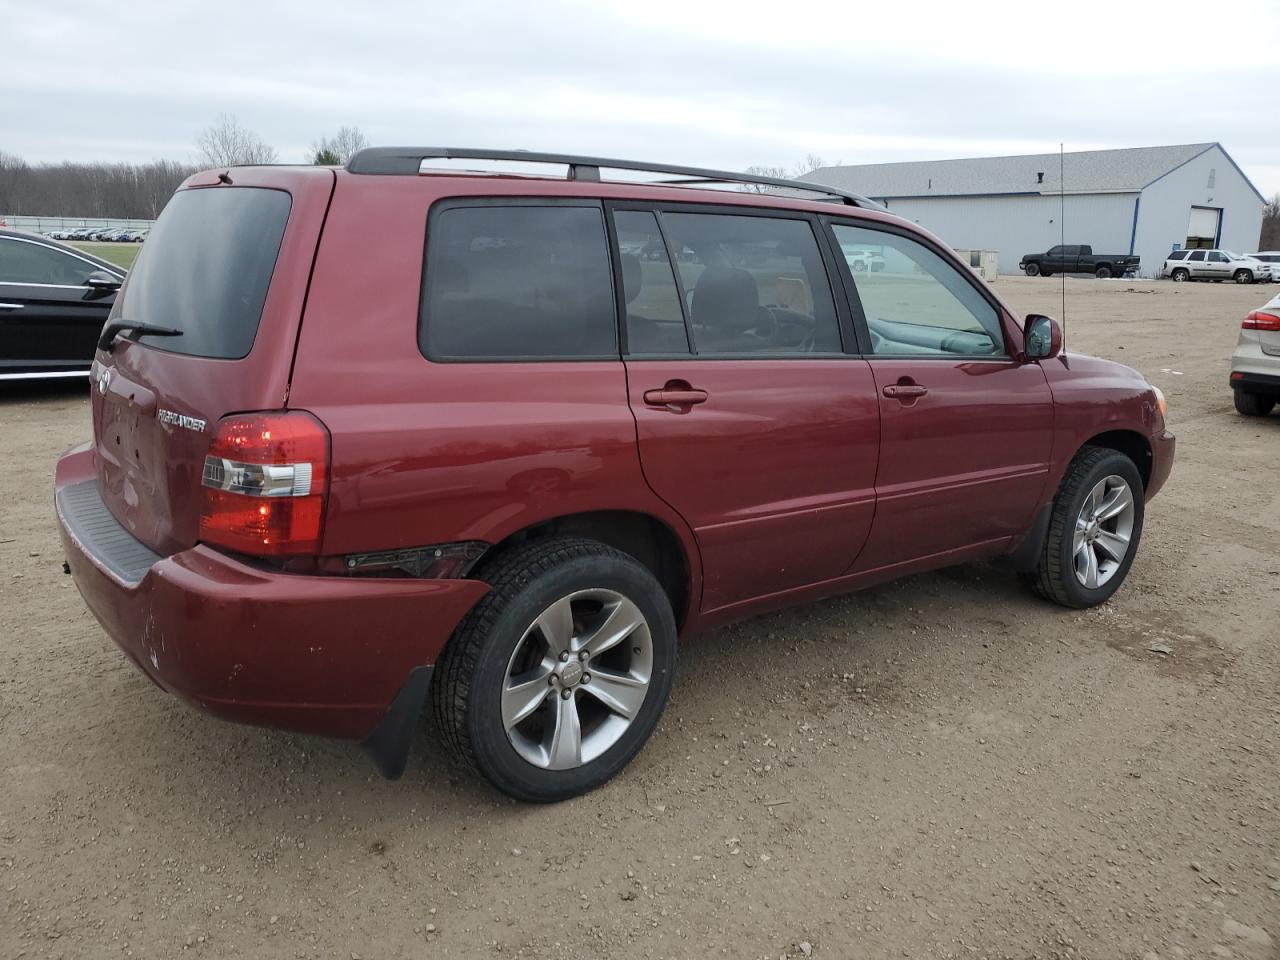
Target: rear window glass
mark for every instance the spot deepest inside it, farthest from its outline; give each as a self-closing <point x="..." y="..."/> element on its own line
<point x="518" y="283"/>
<point x="206" y="268"/>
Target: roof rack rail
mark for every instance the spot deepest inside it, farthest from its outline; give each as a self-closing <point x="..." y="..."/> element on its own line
<point x="407" y="161"/>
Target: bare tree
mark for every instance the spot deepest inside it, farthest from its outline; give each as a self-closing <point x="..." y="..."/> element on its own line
<point x="14" y="173"/>
<point x="88" y="189"/>
<point x="809" y="164"/>
<point x="338" y="149"/>
<point x="1270" y="236"/>
<point x="224" y="143"/>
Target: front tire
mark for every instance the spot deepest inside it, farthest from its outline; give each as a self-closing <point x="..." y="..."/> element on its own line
<point x="1103" y="273"/>
<point x="558" y="676"/>
<point x="1094" y="530"/>
<point x="1243" y="276"/>
<point x="1253" y="404"/>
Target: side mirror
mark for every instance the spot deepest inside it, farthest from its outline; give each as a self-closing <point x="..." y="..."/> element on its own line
<point x="1042" y="337"/>
<point x="101" y="283"/>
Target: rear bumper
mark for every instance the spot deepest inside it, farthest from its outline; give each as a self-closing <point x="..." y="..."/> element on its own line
<point x="1162" y="450"/>
<point x="1268" y="383"/>
<point x="323" y="655"/>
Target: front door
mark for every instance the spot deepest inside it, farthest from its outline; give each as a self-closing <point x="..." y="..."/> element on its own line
<point x="966" y="429"/>
<point x="753" y="423"/>
<point x="49" y="319"/>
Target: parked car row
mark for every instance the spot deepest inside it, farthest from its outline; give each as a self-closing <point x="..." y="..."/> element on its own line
<point x="101" y="234"/>
<point x="1182" y="265"/>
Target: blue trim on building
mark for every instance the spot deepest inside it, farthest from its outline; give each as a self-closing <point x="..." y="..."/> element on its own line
<point x="1183" y="164"/>
<point x="1133" y="234"/>
<point x="1217" y="241"/>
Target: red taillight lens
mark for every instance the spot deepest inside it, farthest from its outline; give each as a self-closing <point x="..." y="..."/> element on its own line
<point x="1261" y="321"/>
<point x="264" y="484"/>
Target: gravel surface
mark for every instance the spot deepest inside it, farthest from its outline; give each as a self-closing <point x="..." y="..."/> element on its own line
<point x="940" y="767"/>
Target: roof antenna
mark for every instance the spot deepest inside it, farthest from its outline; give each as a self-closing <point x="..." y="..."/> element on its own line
<point x="1062" y="232"/>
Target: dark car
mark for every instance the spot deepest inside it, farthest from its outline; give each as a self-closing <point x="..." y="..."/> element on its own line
<point x="54" y="300"/>
<point x="1078" y="258"/>
<point x="369" y="438"/>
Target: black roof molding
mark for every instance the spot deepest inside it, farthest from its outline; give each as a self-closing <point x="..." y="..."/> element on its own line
<point x="407" y="161"/>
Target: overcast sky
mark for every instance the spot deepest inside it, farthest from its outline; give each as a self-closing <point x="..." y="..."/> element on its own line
<point x="720" y="85"/>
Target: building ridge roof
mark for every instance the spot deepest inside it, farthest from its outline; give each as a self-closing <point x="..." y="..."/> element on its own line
<point x="1113" y="170"/>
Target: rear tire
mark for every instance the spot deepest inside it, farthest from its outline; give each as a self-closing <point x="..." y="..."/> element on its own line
<point x="1180" y="275"/>
<point x="1103" y="273"/>
<point x="1098" y="510"/>
<point x="1032" y="269"/>
<point x="1243" y="276"/>
<point x="1253" y="404"/>
<point x="515" y="699"/>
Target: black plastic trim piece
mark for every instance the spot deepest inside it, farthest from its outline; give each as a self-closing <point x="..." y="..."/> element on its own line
<point x="1268" y="382"/>
<point x="407" y="161"/>
<point x="389" y="743"/>
<point x="1025" y="557"/>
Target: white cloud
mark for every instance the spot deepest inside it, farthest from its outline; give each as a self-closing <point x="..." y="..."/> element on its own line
<point x="719" y="84"/>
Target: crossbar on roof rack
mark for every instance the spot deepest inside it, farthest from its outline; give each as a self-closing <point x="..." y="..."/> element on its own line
<point x="407" y="161"/>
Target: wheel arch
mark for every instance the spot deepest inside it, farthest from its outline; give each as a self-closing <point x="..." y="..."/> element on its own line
<point x="650" y="540"/>
<point x="1131" y="443"/>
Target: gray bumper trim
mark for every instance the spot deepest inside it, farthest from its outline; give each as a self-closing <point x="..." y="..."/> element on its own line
<point x="101" y="534"/>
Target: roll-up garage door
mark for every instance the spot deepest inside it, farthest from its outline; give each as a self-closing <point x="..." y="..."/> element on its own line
<point x="1203" y="226"/>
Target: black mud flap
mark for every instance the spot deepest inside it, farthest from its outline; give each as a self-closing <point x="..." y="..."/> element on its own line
<point x="1026" y="555"/>
<point x="392" y="738"/>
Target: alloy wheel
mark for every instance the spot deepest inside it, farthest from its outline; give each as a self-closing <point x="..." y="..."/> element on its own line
<point x="1103" y="531"/>
<point x="577" y="679"/>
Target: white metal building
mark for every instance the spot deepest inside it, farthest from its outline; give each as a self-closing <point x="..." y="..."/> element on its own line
<point x="1144" y="200"/>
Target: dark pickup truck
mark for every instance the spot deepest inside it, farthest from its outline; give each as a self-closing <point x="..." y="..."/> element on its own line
<point x="1078" y="258"/>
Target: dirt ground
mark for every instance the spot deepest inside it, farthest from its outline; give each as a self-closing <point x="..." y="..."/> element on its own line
<point x="941" y="767"/>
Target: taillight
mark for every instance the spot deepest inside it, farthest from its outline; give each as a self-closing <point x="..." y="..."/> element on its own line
<point x="1258" y="320"/>
<point x="264" y="484"/>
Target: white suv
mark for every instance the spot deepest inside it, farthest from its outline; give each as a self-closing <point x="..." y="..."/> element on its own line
<point x="1215" y="265"/>
<point x="1271" y="257"/>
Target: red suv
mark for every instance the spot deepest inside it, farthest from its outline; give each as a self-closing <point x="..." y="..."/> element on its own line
<point x="370" y="437"/>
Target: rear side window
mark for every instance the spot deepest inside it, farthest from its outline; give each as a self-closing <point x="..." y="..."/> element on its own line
<point x="655" y="321"/>
<point x="1196" y="255"/>
<point x="752" y="284"/>
<point x="518" y="283"/>
<point x="24" y="262"/>
<point x="206" y="268"/>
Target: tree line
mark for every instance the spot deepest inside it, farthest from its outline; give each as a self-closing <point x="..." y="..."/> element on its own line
<point x="140" y="190"/>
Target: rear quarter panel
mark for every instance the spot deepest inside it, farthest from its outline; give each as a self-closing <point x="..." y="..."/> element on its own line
<point x="426" y="452"/>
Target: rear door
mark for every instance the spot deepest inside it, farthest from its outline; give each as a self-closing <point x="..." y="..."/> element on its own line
<point x="49" y="317"/>
<point x="753" y="422"/>
<point x="966" y="429"/>
<point x="1197" y="265"/>
<point x="228" y="265"/>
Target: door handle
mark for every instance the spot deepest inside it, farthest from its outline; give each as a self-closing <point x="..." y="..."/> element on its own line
<point x="905" y="391"/>
<point x="676" y="397"/>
